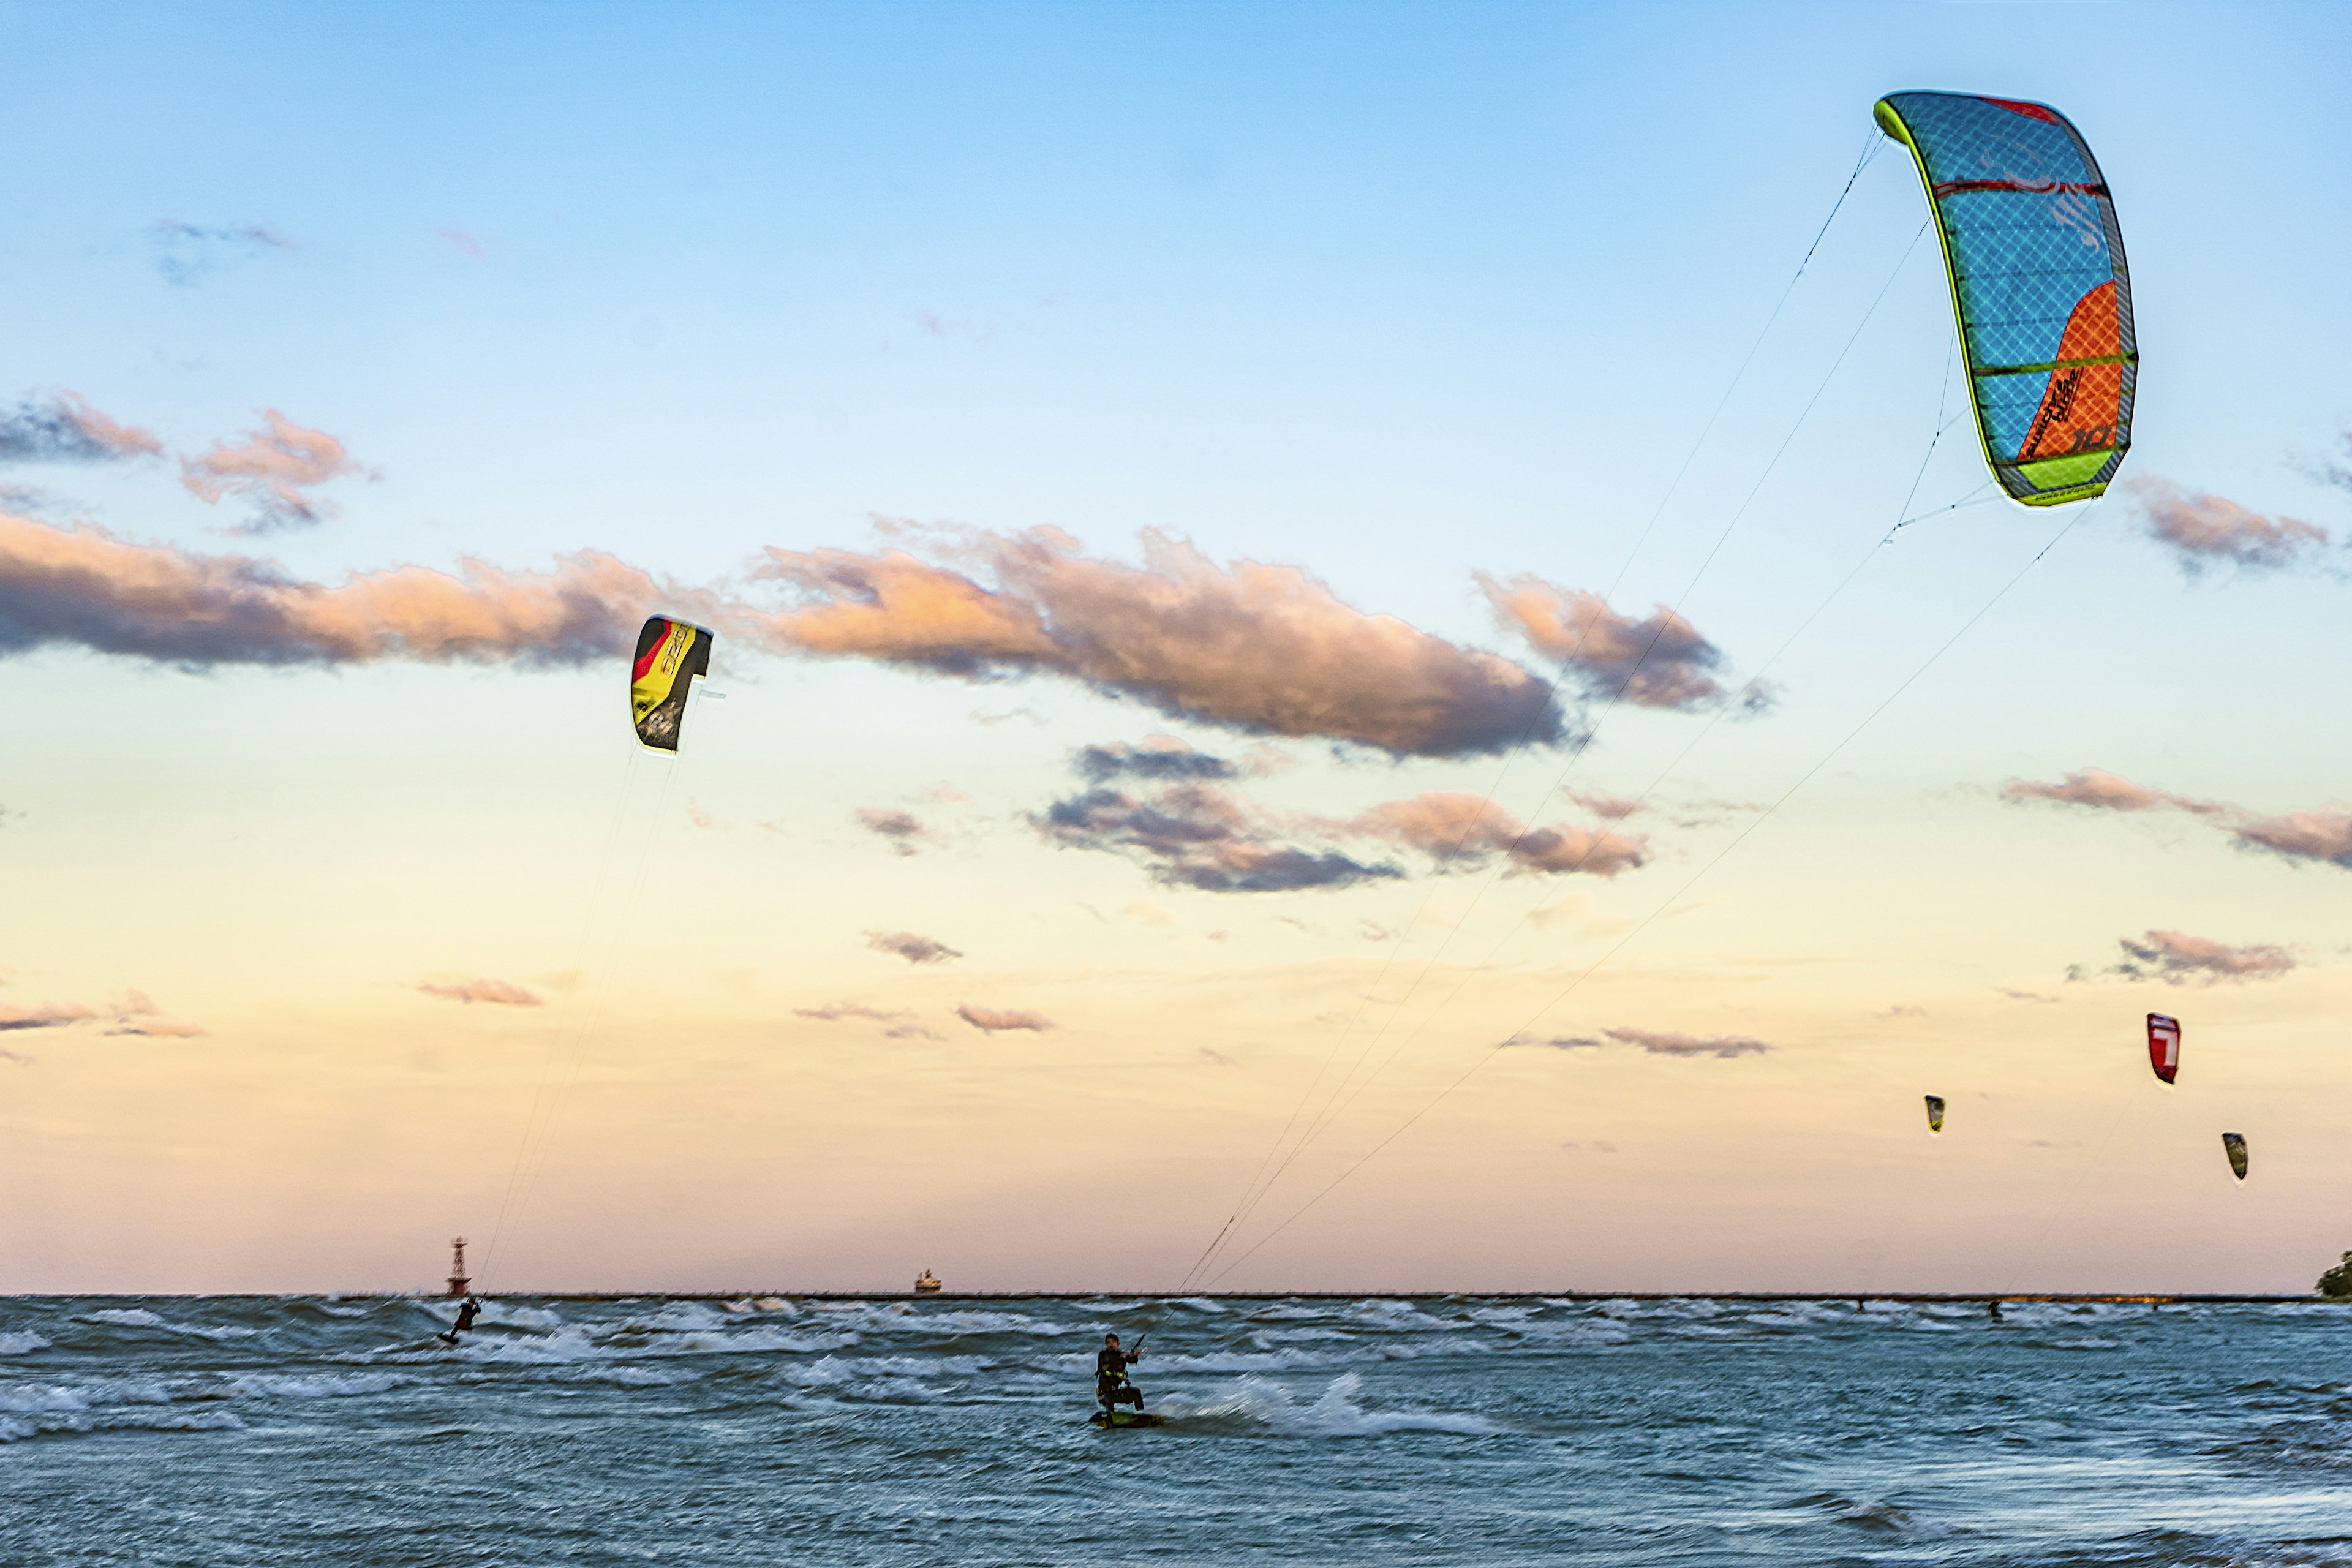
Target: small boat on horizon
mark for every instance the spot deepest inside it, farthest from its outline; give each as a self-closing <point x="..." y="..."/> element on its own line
<point x="925" y="1285"/>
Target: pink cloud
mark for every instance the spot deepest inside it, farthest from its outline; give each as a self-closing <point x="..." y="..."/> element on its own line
<point x="2324" y="835"/>
<point x="275" y="470"/>
<point x="2094" y="787"/>
<point x="81" y="585"/>
<point x="131" y="1013"/>
<point x="899" y="1023"/>
<point x="2178" y="959"/>
<point x="1450" y="825"/>
<point x="991" y="1020"/>
<point x="47" y="1015"/>
<point x="2203" y="530"/>
<point x="496" y="992"/>
<point x="1659" y="662"/>
<point x="1656" y="1042"/>
<point x="901" y="829"/>
<point x="1249" y="647"/>
<point x="914" y="949"/>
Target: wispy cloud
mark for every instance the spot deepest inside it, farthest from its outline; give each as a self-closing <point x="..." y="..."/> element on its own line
<point x="1661" y="661"/>
<point x="60" y="427"/>
<point x="1249" y="647"/>
<point x="1188" y="828"/>
<point x="2094" y="787"/>
<point x="1452" y="825"/>
<point x="1656" y="1042"/>
<point x="497" y="993"/>
<point x="188" y="253"/>
<point x="1158" y="758"/>
<point x="2323" y="836"/>
<point x="133" y="1013"/>
<point x="1200" y="836"/>
<point x="463" y="241"/>
<point x="904" y="830"/>
<point x="2204" y="531"/>
<point x="898" y="1024"/>
<point x="914" y="949"/>
<point x="275" y="470"/>
<point x="2178" y="959"/>
<point x="47" y="1015"/>
<point x="82" y="586"/>
<point x="992" y="1020"/>
<point x="19" y="1057"/>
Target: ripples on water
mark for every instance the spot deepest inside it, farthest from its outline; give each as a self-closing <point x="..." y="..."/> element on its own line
<point x="231" y="1431"/>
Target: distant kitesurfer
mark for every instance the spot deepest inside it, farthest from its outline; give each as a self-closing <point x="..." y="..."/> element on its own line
<point x="468" y="1311"/>
<point x="1111" y="1387"/>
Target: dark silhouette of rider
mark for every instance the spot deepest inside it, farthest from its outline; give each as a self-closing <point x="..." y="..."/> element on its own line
<point x="468" y="1311"/>
<point x="1111" y="1387"/>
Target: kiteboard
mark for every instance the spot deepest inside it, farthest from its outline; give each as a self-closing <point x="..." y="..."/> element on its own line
<point x="1107" y="1419"/>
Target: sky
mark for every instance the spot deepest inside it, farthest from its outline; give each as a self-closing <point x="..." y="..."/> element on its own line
<point x="1334" y="669"/>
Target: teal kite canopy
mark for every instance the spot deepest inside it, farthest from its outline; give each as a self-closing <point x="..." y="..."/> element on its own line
<point x="2036" y="264"/>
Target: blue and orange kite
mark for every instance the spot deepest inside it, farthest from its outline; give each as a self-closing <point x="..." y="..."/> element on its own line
<point x="2038" y="280"/>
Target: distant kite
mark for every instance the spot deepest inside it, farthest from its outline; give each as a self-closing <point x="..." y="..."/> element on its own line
<point x="2036" y="265"/>
<point x="1934" y="1113"/>
<point x="2164" y="1045"/>
<point x="670" y="654"/>
<point x="2234" y="1145"/>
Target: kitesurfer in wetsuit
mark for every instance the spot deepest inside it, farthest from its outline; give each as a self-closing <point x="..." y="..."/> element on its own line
<point x="468" y="1311"/>
<point x="1111" y="1386"/>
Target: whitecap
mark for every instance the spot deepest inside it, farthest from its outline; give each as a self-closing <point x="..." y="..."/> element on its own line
<point x="1335" y="1414"/>
<point x="315" y="1385"/>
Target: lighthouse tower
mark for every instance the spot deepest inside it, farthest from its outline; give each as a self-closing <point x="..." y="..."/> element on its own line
<point x="459" y="1283"/>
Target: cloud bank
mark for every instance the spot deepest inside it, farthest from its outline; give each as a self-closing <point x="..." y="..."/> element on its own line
<point x="1257" y="648"/>
<point x="1249" y="647"/>
<point x="82" y="586"/>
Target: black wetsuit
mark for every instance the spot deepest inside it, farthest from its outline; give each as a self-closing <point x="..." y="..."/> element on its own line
<point x="1111" y="1387"/>
<point x="467" y="1313"/>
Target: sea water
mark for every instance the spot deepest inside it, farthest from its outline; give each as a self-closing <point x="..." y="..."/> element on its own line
<point x="314" y="1431"/>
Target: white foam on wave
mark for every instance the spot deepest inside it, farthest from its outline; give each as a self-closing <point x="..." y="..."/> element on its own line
<point x="1337" y="1414"/>
<point x="21" y="1342"/>
<point x="141" y="1318"/>
<point x="513" y="1315"/>
<point x="1221" y="1361"/>
<point x="18" y="1428"/>
<point x="628" y="1376"/>
<point x="313" y="1386"/>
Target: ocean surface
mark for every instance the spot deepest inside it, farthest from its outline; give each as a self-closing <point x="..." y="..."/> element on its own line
<point x="323" y="1432"/>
